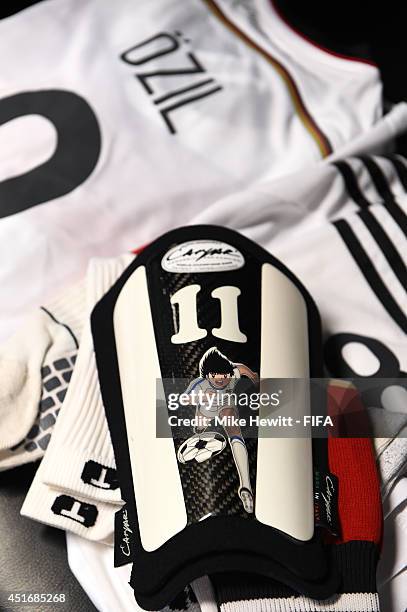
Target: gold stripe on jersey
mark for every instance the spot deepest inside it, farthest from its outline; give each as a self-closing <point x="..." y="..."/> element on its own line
<point x="309" y="123"/>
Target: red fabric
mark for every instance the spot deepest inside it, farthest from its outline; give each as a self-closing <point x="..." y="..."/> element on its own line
<point x="138" y="250"/>
<point x="352" y="460"/>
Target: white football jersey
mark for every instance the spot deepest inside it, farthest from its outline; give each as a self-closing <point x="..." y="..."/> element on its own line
<point x="348" y="245"/>
<point x="342" y="229"/>
<point x="120" y="120"/>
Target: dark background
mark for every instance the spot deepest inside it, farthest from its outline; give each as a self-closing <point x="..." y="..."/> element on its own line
<point x="32" y="554"/>
<point x="372" y="30"/>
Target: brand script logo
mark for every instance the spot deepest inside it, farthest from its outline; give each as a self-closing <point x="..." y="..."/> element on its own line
<point x="327" y="497"/>
<point x="202" y="256"/>
<point x="125" y="547"/>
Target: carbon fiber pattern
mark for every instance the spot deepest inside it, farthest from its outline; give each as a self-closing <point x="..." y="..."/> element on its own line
<point x="210" y="488"/>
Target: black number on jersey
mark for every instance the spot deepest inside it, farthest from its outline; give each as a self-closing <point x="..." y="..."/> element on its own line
<point x="388" y="373"/>
<point x="76" y="152"/>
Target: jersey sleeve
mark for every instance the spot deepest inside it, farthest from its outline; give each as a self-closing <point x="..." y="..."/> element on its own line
<point x="194" y="384"/>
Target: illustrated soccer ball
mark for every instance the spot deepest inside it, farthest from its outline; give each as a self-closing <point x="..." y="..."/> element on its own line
<point x="201" y="447"/>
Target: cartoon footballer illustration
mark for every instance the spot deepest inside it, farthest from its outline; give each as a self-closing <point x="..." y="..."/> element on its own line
<point x="212" y="393"/>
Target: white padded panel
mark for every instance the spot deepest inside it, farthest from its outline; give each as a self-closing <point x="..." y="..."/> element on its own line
<point x="157" y="486"/>
<point x="284" y="486"/>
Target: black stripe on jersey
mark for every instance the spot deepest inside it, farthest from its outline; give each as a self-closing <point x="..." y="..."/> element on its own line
<point x="370" y="273"/>
<point x="387" y="247"/>
<point x="351" y="184"/>
<point x="381" y="184"/>
<point x="400" y="168"/>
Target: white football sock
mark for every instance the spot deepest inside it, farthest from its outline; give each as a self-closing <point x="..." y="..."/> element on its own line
<point x="81" y="441"/>
<point x="35" y="368"/>
<point x="80" y="457"/>
<point x="91" y="520"/>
